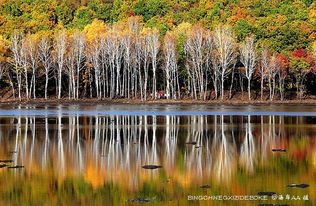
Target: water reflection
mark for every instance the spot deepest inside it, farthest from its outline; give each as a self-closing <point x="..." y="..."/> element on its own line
<point x="247" y="150"/>
<point x="112" y="149"/>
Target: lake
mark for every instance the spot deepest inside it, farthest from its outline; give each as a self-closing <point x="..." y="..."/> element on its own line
<point x="205" y="155"/>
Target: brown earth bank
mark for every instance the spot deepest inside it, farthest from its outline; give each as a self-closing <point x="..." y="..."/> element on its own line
<point x="236" y="100"/>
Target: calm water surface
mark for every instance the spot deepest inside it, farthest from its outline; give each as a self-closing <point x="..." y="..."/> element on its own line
<point x="93" y="154"/>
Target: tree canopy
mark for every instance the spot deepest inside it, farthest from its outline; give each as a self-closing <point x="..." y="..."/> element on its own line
<point x="283" y="25"/>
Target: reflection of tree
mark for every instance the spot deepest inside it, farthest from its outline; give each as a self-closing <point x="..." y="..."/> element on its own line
<point x="224" y="154"/>
<point x="247" y="150"/>
<point x="16" y="145"/>
<point x="193" y="153"/>
<point x="24" y="148"/>
<point x="46" y="144"/>
<point x="33" y="124"/>
<point x="264" y="140"/>
<point x="170" y="141"/>
<point x="60" y="153"/>
<point x="79" y="156"/>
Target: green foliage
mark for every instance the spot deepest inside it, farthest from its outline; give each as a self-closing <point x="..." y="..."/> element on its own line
<point x="151" y="8"/>
<point x="83" y="17"/>
<point x="11" y="9"/>
<point x="197" y="13"/>
<point x="298" y="65"/>
<point x="158" y="23"/>
<point x="216" y="10"/>
<point x="243" y="29"/>
<point x="104" y="12"/>
<point x="308" y="2"/>
<point x="65" y="12"/>
<point x="116" y="11"/>
<point x="180" y="46"/>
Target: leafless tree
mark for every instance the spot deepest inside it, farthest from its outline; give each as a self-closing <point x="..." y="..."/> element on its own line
<point x="60" y="50"/>
<point x="127" y="56"/>
<point x="225" y="47"/>
<point x="171" y="73"/>
<point x="195" y="47"/>
<point x="45" y="57"/>
<point x="79" y="46"/>
<point x="248" y="58"/>
<point x="93" y="54"/>
<point x="264" y="67"/>
<point x="144" y="42"/>
<point x="272" y="73"/>
<point x="25" y="66"/>
<point x="17" y="60"/>
<point x="31" y="47"/>
<point x="153" y="44"/>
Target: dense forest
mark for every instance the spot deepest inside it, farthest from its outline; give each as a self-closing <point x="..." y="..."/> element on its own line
<point x="184" y="49"/>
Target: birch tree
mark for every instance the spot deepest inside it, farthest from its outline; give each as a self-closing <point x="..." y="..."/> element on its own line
<point x="60" y="50"/>
<point x="144" y="43"/>
<point x="118" y="53"/>
<point x="25" y="67"/>
<point x="17" y="60"/>
<point x="170" y="69"/>
<point x="70" y="65"/>
<point x="93" y="55"/>
<point x="31" y="46"/>
<point x="272" y="72"/>
<point x="194" y="48"/>
<point x="110" y="46"/>
<point x="281" y="67"/>
<point x="127" y="56"/>
<point x="105" y="60"/>
<point x="153" y="44"/>
<point x="45" y="57"/>
<point x="225" y="47"/>
<point x="248" y="58"/>
<point x="264" y="68"/>
<point x="208" y="59"/>
<point x="138" y="57"/>
<point x="79" y="55"/>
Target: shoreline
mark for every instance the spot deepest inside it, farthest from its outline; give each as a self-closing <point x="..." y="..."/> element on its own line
<point x="42" y="101"/>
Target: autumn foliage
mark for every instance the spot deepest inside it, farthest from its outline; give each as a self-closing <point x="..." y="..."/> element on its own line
<point x="118" y="48"/>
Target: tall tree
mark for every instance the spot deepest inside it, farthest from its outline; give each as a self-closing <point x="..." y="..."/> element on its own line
<point x="248" y="58"/>
<point x="153" y="44"/>
<point x="225" y="47"/>
<point x="25" y="66"/>
<point x="170" y="69"/>
<point x="45" y="57"/>
<point x="79" y="45"/>
<point x="195" y="48"/>
<point x="60" y="50"/>
<point x="272" y="73"/>
<point x="127" y="56"/>
<point x="17" y="60"/>
<point x="264" y="68"/>
<point x="93" y="54"/>
<point x="32" y="52"/>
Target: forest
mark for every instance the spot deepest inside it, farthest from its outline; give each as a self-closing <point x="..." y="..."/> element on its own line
<point x="184" y="49"/>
